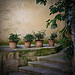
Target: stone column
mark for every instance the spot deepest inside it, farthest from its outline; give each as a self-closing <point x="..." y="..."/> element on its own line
<point x="73" y="29"/>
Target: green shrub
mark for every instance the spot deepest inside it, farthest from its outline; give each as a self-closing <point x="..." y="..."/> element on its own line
<point x="14" y="37"/>
<point x="53" y="36"/>
<point x="39" y="35"/>
<point x="28" y="37"/>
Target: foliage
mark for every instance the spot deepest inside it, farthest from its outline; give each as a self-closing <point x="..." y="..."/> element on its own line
<point x="68" y="53"/>
<point x="41" y="1"/>
<point x="65" y="40"/>
<point x="28" y="37"/>
<point x="53" y="36"/>
<point x="39" y="35"/>
<point x="59" y="7"/>
<point x="14" y="37"/>
<point x="63" y="8"/>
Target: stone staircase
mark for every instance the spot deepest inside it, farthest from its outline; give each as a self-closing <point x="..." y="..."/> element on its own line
<point x="48" y="65"/>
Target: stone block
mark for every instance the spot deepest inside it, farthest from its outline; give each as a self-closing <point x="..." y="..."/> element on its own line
<point x="33" y="58"/>
<point x="21" y="62"/>
<point x="31" y="54"/>
<point x="12" y="65"/>
<point x="17" y="55"/>
<point x="10" y="55"/>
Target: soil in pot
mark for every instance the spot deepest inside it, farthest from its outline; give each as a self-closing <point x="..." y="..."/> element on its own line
<point x="39" y="43"/>
<point x="51" y="42"/>
<point x="12" y="45"/>
<point x="27" y="44"/>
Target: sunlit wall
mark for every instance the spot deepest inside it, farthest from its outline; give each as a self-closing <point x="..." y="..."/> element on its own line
<point x="23" y="17"/>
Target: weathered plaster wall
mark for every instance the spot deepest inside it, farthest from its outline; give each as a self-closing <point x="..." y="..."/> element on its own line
<point x="24" y="16"/>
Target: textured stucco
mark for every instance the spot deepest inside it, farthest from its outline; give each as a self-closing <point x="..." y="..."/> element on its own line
<point x="23" y="17"/>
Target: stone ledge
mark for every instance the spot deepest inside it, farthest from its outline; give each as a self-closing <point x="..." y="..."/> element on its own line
<point x="22" y="47"/>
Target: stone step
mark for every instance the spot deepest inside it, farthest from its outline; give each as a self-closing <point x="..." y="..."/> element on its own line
<point x="40" y="71"/>
<point x="55" y="58"/>
<point x="18" y="73"/>
<point x="50" y="66"/>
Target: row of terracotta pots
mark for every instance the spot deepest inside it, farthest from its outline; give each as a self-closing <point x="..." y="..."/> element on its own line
<point x="28" y="38"/>
<point x="39" y="43"/>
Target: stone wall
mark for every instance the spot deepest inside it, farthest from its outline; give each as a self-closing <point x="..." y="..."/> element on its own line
<point x="23" y="17"/>
<point x="11" y="59"/>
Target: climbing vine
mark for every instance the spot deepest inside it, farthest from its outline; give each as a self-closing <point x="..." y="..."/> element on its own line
<point x="64" y="10"/>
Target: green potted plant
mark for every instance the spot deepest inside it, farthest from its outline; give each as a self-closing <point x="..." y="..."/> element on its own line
<point x="39" y="36"/>
<point x="28" y="39"/>
<point x="52" y="39"/>
<point x="14" y="39"/>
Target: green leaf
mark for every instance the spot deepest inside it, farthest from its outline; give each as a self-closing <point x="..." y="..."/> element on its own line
<point x="58" y="17"/>
<point x="61" y="10"/>
<point x="42" y="2"/>
<point x="48" y="20"/>
<point x="50" y="13"/>
<point x="50" y="6"/>
<point x="45" y="1"/>
<point x="53" y="10"/>
<point x="37" y="1"/>
<point x="53" y="26"/>
<point x="63" y="17"/>
<point x="47" y="24"/>
<point x="54" y="21"/>
<point x="56" y="4"/>
<point x="62" y="30"/>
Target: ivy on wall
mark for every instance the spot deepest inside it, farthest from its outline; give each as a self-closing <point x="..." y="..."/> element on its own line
<point x="64" y="10"/>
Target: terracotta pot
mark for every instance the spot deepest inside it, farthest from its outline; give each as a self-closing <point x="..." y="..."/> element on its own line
<point x="27" y="44"/>
<point x="12" y="45"/>
<point x="51" y="42"/>
<point x="39" y="43"/>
